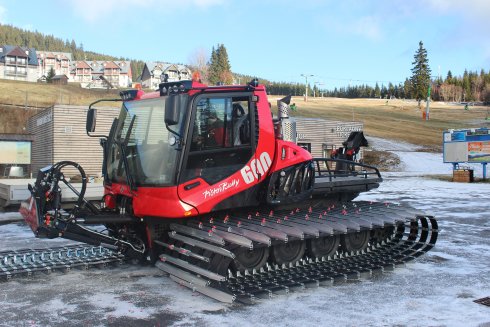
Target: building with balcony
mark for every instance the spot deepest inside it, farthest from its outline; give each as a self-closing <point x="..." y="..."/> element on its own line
<point x="151" y="75"/>
<point x="58" y="61"/>
<point x="18" y="63"/>
<point x="101" y="74"/>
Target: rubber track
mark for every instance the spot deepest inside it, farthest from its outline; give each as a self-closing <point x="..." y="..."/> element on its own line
<point x="415" y="234"/>
<point x="26" y="262"/>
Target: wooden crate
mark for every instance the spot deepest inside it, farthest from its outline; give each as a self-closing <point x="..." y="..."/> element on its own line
<point x="463" y="175"/>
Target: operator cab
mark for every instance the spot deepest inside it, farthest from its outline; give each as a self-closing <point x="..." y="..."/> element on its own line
<point x="183" y="132"/>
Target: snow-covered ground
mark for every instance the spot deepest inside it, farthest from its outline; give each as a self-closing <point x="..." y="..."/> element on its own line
<point x="436" y="290"/>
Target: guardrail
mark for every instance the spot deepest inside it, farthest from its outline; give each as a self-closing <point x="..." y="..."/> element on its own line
<point x="343" y="168"/>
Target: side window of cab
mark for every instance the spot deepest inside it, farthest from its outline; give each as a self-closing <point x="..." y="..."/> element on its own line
<point x="220" y="138"/>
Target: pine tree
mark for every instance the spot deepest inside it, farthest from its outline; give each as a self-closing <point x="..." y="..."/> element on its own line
<point x="219" y="66"/>
<point x="391" y="90"/>
<point x="377" y="91"/>
<point x="449" y="77"/>
<point x="213" y="72"/>
<point x="224" y="64"/>
<point x="51" y="74"/>
<point x="420" y="79"/>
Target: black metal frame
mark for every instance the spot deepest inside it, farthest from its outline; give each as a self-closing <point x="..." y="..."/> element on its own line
<point x="367" y="171"/>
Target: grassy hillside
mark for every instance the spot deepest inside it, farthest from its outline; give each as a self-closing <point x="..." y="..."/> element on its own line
<point x="20" y="100"/>
<point x="45" y="95"/>
<point x="393" y="119"/>
<point x="396" y="119"/>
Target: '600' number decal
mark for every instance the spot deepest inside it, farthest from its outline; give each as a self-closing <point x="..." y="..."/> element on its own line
<point x="256" y="167"/>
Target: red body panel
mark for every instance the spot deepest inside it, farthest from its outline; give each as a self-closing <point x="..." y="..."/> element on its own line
<point x="152" y="201"/>
<point x="28" y="210"/>
<point x="288" y="154"/>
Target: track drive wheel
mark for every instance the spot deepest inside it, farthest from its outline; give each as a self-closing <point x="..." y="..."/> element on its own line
<point x="382" y="234"/>
<point x="288" y="252"/>
<point x="323" y="246"/>
<point x="251" y="259"/>
<point x="355" y="241"/>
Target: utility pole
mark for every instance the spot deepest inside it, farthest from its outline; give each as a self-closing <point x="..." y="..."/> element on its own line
<point x="306" y="87"/>
<point x="427" y="107"/>
<point x="428" y="102"/>
<point x="319" y="93"/>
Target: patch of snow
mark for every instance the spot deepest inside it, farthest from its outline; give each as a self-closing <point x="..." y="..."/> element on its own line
<point x="437" y="289"/>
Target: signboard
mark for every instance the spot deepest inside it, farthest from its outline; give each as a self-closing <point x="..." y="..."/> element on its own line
<point x="344" y="130"/>
<point x="479" y="151"/>
<point x="15" y="152"/>
<point x="469" y="145"/>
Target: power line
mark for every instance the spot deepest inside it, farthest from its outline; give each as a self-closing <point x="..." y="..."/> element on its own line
<point x="350" y="79"/>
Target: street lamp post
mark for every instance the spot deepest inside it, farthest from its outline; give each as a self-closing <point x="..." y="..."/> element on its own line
<point x="427" y="110"/>
<point x="306" y="86"/>
<point x="319" y="84"/>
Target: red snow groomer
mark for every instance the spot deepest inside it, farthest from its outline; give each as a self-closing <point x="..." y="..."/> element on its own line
<point x="202" y="181"/>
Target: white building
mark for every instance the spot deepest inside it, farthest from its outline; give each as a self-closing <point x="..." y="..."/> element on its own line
<point x="102" y="73"/>
<point x="58" y="61"/>
<point x="152" y="73"/>
<point x="18" y="63"/>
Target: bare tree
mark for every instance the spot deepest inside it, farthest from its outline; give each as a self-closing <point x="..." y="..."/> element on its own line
<point x="477" y="87"/>
<point x="198" y="60"/>
<point x="486" y="93"/>
<point x="450" y="92"/>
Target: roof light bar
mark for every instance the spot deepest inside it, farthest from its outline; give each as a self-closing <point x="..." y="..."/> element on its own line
<point x="175" y="87"/>
<point x="128" y="95"/>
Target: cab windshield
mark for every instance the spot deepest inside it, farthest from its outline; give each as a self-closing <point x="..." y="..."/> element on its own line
<point x="150" y="148"/>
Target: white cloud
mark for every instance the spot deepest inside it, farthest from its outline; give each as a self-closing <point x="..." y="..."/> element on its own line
<point x="468" y="8"/>
<point x="3" y="12"/>
<point x="206" y="3"/>
<point x="94" y="10"/>
<point x="368" y="27"/>
<point x="473" y="11"/>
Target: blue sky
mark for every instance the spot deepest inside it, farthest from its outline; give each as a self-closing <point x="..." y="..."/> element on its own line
<point x="339" y="42"/>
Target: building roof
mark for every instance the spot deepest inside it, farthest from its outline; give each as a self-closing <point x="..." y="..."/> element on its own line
<point x="62" y="76"/>
<point x="16" y="137"/>
<point x="53" y="54"/>
<point x="17" y="52"/>
<point x="81" y="64"/>
<point x="110" y="64"/>
<point x="99" y="65"/>
<point x="14" y="50"/>
<point x="165" y="66"/>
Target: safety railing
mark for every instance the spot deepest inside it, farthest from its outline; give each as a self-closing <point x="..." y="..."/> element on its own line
<point x="335" y="168"/>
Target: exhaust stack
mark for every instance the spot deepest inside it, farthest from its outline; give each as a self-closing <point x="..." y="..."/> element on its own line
<point x="288" y="126"/>
<point x="283" y="107"/>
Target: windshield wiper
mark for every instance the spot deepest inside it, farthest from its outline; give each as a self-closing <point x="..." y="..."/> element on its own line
<point x="123" y="146"/>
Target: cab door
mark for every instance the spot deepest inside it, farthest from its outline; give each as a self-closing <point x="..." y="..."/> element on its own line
<point x="220" y="142"/>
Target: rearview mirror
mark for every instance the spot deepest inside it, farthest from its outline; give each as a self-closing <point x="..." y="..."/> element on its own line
<point x="91" y="119"/>
<point x="172" y="109"/>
